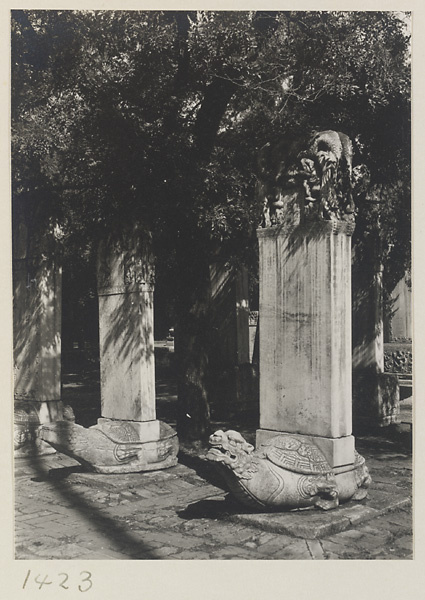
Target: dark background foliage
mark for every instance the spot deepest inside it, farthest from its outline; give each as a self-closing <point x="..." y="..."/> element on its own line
<point x="157" y="117"/>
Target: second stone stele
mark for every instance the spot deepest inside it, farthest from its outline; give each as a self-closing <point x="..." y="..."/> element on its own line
<point x="305" y="448"/>
<point x="128" y="437"/>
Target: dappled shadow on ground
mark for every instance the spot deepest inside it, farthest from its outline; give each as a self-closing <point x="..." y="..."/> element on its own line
<point x="58" y="474"/>
<point x="87" y="511"/>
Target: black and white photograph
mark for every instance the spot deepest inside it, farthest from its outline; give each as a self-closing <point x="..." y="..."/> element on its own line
<point x="211" y="248"/>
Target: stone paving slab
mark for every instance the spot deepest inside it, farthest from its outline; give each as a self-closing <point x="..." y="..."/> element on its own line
<point x="309" y="524"/>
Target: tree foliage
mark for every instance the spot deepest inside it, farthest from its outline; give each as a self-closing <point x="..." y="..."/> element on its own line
<point x="157" y="116"/>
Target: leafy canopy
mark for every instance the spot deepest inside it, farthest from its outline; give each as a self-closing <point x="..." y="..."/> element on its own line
<point x="157" y="116"/>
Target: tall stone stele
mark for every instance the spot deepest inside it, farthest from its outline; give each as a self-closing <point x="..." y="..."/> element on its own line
<point x="125" y="279"/>
<point x="37" y="306"/>
<point x="128" y="437"/>
<point x="305" y="435"/>
<point x="305" y="299"/>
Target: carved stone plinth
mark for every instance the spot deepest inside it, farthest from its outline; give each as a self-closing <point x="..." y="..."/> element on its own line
<point x="338" y="451"/>
<point x="285" y="473"/>
<point x="115" y="446"/>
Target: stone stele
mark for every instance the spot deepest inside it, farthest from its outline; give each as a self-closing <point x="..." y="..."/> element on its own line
<point x="376" y="394"/>
<point x="37" y="306"/>
<point x="305" y="333"/>
<point x="128" y="437"/>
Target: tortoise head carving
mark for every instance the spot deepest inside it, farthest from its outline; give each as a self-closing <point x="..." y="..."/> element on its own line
<point x="231" y="450"/>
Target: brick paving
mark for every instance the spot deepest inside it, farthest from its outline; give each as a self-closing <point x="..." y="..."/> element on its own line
<point x="177" y="514"/>
<point x="182" y="513"/>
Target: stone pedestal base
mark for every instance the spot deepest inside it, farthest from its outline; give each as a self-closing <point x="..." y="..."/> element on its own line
<point x="285" y="472"/>
<point x="338" y="452"/>
<point x="28" y="417"/>
<point x="115" y="446"/>
<point x="159" y="445"/>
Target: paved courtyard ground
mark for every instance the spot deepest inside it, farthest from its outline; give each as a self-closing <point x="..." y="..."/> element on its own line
<point x="182" y="513"/>
<point x="63" y="513"/>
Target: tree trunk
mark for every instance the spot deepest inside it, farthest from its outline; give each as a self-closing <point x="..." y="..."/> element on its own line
<point x="191" y="351"/>
<point x="194" y="293"/>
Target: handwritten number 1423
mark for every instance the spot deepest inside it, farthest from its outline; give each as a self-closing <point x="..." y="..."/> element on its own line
<point x="84" y="583"/>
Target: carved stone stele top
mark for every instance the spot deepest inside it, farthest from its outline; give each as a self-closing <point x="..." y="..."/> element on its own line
<point x="318" y="174"/>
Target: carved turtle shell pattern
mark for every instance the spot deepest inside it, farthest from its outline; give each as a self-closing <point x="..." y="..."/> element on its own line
<point x="293" y="454"/>
<point x="126" y="433"/>
<point x="120" y="433"/>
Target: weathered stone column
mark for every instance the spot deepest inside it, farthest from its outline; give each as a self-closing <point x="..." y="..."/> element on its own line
<point x="305" y="334"/>
<point x="305" y="294"/>
<point x="229" y="296"/>
<point x="128" y="437"/>
<point x="401" y="320"/>
<point x="37" y="304"/>
<point x="127" y="367"/>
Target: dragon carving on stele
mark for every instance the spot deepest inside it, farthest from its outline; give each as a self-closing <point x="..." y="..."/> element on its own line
<point x="321" y="169"/>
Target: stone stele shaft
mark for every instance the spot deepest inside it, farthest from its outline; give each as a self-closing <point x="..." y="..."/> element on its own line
<point x="125" y="289"/>
<point x="305" y="335"/>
